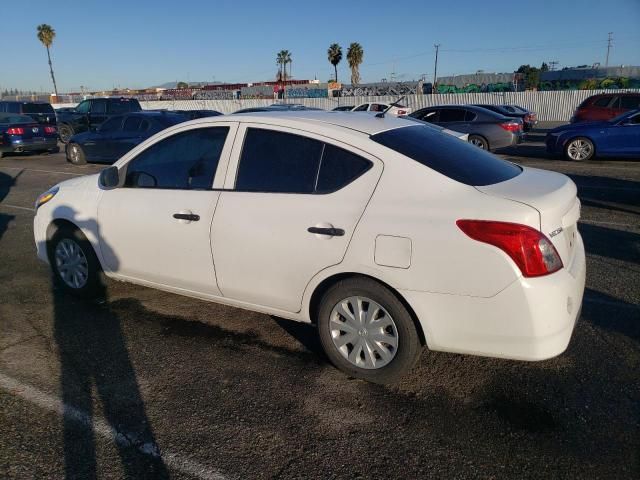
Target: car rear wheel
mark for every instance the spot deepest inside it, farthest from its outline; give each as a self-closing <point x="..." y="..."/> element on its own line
<point x="74" y="263"/>
<point x="65" y="132"/>
<point x="579" y="149"/>
<point x="367" y="332"/>
<point x="479" y="142"/>
<point x="75" y="154"/>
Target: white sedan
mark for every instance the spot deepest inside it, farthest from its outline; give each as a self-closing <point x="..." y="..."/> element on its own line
<point x="396" y="110"/>
<point x="386" y="234"/>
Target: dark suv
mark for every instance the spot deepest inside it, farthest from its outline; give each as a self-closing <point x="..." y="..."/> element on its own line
<point x="41" y="112"/>
<point x="605" y="106"/>
<point x="90" y="114"/>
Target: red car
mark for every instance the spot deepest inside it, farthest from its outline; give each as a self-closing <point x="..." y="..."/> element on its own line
<point x="605" y="106"/>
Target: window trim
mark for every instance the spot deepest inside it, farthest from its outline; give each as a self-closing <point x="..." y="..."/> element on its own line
<point x="237" y="158"/>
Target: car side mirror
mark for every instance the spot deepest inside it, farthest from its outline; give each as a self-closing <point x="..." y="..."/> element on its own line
<point x="109" y="177"/>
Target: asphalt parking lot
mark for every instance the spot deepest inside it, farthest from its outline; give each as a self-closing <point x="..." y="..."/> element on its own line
<point x="146" y="384"/>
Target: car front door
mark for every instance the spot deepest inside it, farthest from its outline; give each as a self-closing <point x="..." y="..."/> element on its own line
<point x="155" y="227"/>
<point x="291" y="203"/>
<point x="624" y="138"/>
<point x="98" y="145"/>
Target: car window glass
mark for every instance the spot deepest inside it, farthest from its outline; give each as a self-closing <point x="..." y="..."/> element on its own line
<point x="615" y="103"/>
<point x="635" y="120"/>
<point x="131" y="124"/>
<point x="509" y="108"/>
<point x="339" y="168"/>
<point x="186" y="161"/>
<point x="469" y="116"/>
<point x="630" y="102"/>
<point x="121" y="106"/>
<point x="111" y="125"/>
<point x="99" y="106"/>
<point x="274" y="161"/>
<point x="447" y="155"/>
<point x="452" y="115"/>
<point x="361" y="108"/>
<point x="144" y="125"/>
<point x="602" y="102"/>
<point x="83" y="107"/>
<point x="37" y="108"/>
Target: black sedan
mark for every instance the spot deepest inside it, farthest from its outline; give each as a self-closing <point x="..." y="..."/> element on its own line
<point x="118" y="135"/>
<point x="529" y="119"/>
<point x="20" y="133"/>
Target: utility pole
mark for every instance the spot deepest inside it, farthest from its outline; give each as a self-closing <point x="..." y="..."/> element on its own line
<point x="435" y="69"/>
<point x="609" y="40"/>
<point x="552" y="65"/>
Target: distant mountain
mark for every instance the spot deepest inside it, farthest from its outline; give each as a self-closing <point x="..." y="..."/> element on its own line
<point x="193" y="84"/>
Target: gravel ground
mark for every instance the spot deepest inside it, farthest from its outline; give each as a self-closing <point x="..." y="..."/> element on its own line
<point x="155" y="385"/>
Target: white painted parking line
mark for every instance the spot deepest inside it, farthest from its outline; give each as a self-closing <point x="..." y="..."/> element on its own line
<point x="102" y="428"/>
<point x="18" y="207"/>
<point x="44" y="171"/>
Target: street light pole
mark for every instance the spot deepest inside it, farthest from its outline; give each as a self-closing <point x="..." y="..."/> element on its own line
<point x="435" y="70"/>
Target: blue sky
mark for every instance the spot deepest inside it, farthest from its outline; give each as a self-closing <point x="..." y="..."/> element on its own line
<point x="102" y="44"/>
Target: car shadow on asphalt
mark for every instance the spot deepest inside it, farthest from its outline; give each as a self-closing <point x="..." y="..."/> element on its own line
<point x="93" y="354"/>
<point x="6" y="183"/>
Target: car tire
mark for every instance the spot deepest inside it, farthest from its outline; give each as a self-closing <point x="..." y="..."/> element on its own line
<point x="75" y="266"/>
<point x="579" y="149"/>
<point x="65" y="132"/>
<point x="75" y="154"/>
<point x="479" y="142"/>
<point x="383" y="346"/>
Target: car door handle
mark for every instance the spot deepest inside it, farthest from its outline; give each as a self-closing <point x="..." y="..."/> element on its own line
<point x="333" y="232"/>
<point x="190" y="217"/>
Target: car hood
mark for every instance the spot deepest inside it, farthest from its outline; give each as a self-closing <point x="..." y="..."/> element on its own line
<point x="579" y="126"/>
<point x="82" y="182"/>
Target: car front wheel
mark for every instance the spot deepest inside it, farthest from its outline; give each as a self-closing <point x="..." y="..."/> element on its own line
<point x="367" y="332"/>
<point x="74" y="263"/>
<point x="75" y="154"/>
<point x="579" y="149"/>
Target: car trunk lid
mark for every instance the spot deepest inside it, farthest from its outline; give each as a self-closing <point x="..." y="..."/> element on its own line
<point x="554" y="196"/>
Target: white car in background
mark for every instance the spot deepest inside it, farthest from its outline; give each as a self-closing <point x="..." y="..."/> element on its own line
<point x="395" y="110"/>
<point x="386" y="234"/>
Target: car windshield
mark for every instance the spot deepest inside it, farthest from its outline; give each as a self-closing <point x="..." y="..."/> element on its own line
<point x="448" y="155"/>
<point x="624" y="115"/>
<point x="13" y="118"/>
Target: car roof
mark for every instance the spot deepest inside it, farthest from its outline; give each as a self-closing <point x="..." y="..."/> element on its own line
<point x="364" y="122"/>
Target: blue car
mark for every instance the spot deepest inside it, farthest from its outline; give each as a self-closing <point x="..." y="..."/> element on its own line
<point x="118" y="135"/>
<point x="21" y="133"/>
<point x="618" y="137"/>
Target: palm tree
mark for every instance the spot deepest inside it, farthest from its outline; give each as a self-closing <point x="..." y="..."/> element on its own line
<point x="286" y="56"/>
<point x="46" y="34"/>
<point x="283" y="57"/>
<point x="355" y="55"/>
<point x="335" y="55"/>
<point x="280" y="63"/>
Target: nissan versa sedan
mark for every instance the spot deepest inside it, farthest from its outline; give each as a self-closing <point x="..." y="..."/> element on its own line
<point x="386" y="234"/>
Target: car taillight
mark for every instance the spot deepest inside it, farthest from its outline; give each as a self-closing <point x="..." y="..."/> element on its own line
<point x="50" y="130"/>
<point x="511" y="126"/>
<point x="15" y="131"/>
<point x="532" y="252"/>
<point x="402" y="112"/>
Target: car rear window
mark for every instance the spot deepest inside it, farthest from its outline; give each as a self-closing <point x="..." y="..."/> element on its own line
<point x="448" y="155"/>
<point x="13" y="118"/>
<point x="37" y="108"/>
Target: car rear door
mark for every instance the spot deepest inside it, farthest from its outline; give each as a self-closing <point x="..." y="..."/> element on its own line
<point x="291" y="203"/>
<point x="98" y="112"/>
<point x="155" y="228"/>
<point x="132" y="133"/>
<point x="454" y="119"/>
<point x="99" y="144"/>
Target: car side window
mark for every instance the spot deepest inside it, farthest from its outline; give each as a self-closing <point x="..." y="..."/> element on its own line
<point x="361" y="108"/>
<point x="278" y="162"/>
<point x="469" y="116"/>
<point x="145" y="125"/>
<point x="185" y="161"/>
<point x="430" y="116"/>
<point x="83" y="107"/>
<point x="635" y="120"/>
<point x="615" y="103"/>
<point x="112" y="125"/>
<point x="132" y="124"/>
<point x="630" y="102"/>
<point x="339" y="168"/>
<point x="121" y="106"/>
<point x="602" y="102"/>
<point x="452" y="115"/>
<point x="99" y="106"/>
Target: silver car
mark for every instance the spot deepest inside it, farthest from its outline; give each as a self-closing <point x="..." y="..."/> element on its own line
<point x="487" y="130"/>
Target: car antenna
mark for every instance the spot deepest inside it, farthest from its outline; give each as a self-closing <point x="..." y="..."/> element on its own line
<point x="381" y="114"/>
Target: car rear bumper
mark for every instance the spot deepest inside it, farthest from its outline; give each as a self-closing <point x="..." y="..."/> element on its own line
<point x="531" y="319"/>
<point x="30" y="145"/>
